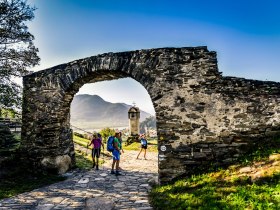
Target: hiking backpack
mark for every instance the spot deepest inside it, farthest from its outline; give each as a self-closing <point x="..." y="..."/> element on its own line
<point x="110" y="143"/>
<point x="144" y="142"/>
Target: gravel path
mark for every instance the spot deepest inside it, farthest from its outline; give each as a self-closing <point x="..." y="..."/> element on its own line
<point x="130" y="163"/>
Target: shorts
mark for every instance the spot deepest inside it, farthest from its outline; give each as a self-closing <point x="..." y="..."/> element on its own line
<point x="116" y="154"/>
<point x="144" y="146"/>
<point x="96" y="152"/>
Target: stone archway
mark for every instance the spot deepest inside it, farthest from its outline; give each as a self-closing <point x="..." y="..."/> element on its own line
<point x="202" y="117"/>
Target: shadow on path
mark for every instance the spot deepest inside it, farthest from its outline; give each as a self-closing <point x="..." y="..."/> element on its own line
<point x="89" y="190"/>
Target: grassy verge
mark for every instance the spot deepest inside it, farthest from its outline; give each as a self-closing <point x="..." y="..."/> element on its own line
<point x="83" y="160"/>
<point x="137" y="146"/>
<point x="211" y="191"/>
<point x="81" y="141"/>
<point x="253" y="183"/>
<point x="152" y="146"/>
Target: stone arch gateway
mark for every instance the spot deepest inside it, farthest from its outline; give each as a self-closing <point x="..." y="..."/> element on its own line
<point x="202" y="117"/>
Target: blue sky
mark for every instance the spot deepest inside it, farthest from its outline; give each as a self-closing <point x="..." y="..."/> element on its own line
<point x="245" y="34"/>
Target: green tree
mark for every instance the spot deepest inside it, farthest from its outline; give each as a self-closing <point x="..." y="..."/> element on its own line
<point x="106" y="132"/>
<point x="17" y="51"/>
<point x="9" y="113"/>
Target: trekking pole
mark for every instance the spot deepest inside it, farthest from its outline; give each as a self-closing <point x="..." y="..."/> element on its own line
<point x="103" y="159"/>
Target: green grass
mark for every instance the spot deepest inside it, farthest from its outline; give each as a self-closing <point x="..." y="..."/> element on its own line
<point x="137" y="146"/>
<point x="210" y="192"/>
<point x="261" y="152"/>
<point x="133" y="146"/>
<point x="22" y="182"/>
<point x="81" y="141"/>
<point x="17" y="136"/>
<point x="226" y="188"/>
<point x="152" y="146"/>
<point x="83" y="160"/>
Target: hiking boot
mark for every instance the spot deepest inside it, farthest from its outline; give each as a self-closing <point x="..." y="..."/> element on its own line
<point x="112" y="172"/>
<point x="93" y="165"/>
<point x="118" y="173"/>
<point x="97" y="167"/>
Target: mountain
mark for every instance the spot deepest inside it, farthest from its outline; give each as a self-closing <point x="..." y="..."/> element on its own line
<point x="91" y="111"/>
<point x="149" y="122"/>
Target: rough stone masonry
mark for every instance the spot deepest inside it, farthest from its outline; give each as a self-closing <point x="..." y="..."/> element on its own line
<point x="203" y="118"/>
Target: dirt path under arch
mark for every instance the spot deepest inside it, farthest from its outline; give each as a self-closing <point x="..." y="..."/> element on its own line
<point x="130" y="163"/>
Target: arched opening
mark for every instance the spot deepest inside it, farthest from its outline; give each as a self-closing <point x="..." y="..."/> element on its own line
<point x="102" y="107"/>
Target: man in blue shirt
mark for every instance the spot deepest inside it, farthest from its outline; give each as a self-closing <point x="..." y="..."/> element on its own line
<point x="116" y="154"/>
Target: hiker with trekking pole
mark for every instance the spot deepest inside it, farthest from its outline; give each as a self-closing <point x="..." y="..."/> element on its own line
<point x="96" y="143"/>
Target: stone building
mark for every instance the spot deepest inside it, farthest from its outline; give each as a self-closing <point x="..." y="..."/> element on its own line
<point x="134" y="120"/>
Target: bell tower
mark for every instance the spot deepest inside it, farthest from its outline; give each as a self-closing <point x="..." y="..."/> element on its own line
<point x="134" y="118"/>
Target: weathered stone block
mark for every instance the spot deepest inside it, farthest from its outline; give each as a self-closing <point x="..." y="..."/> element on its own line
<point x="62" y="163"/>
<point x="191" y="162"/>
<point x="199" y="155"/>
<point x="272" y="133"/>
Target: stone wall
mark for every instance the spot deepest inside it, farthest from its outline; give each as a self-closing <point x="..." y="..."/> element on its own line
<point x="202" y="117"/>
